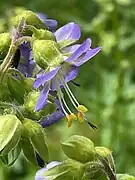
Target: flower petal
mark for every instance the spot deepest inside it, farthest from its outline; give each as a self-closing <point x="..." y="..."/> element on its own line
<point x="70" y="49"/>
<point x="82" y="49"/>
<point x="45" y="77"/>
<point x="52" y="24"/>
<point x="81" y="60"/>
<point x="40" y="173"/>
<point x="71" y="74"/>
<point x="70" y="31"/>
<point x="53" y="118"/>
<point x="42" y="100"/>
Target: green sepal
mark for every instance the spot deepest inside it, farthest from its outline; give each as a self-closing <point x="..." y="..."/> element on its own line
<point x="46" y="53"/>
<point x="9" y="125"/>
<point x="69" y="169"/>
<point x="79" y="148"/>
<point x="65" y="43"/>
<point x="11" y="157"/>
<point x="28" y="151"/>
<point x="31" y="19"/>
<point x="5" y="41"/>
<point x="107" y="155"/>
<point x="42" y="34"/>
<point x="16" y="88"/>
<point x="125" y="177"/>
<point x="94" y="170"/>
<point x="36" y="134"/>
<point x="30" y="103"/>
<point x="28" y="84"/>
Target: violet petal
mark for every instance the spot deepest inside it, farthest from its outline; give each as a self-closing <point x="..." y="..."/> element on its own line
<point x="82" y="49"/>
<point x="71" y="74"/>
<point x="45" y="77"/>
<point x="70" y="31"/>
<point x="42" y="100"/>
<point x="53" y="118"/>
<point x="84" y="58"/>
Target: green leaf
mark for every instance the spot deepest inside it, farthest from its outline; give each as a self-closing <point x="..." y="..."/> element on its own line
<point x="9" y="125"/>
<point x="69" y="169"/>
<point x="16" y="89"/>
<point x="14" y="140"/>
<point x="36" y="135"/>
<point x="79" y="148"/>
<point x="11" y="157"/>
<point x="28" y="150"/>
<point x="125" y="177"/>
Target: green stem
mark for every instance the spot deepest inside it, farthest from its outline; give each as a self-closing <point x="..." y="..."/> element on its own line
<point x="8" y="59"/>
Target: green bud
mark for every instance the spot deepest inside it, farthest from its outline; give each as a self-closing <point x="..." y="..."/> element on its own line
<point x="30" y="103"/>
<point x="10" y="132"/>
<point x="125" y="177"/>
<point x="11" y="157"/>
<point x="68" y="170"/>
<point x="16" y="88"/>
<point x="5" y="41"/>
<point x="36" y="135"/>
<point x="79" y="148"/>
<point x="31" y="19"/>
<point x="46" y="53"/>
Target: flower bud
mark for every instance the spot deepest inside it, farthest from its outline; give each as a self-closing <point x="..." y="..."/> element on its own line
<point x="30" y="103"/>
<point x="125" y="177"/>
<point x="79" y="148"/>
<point x="46" y="53"/>
<point x="36" y="135"/>
<point x="69" y="169"/>
<point x="5" y="41"/>
<point x="10" y="130"/>
<point x="30" y="17"/>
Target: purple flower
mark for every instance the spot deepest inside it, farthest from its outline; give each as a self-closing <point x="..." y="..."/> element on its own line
<point x="73" y="57"/>
<point x="40" y="173"/>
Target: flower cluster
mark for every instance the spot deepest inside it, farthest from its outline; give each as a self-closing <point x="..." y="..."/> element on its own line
<point x="37" y="62"/>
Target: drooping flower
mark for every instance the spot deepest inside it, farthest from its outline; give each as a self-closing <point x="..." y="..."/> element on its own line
<point x="65" y="70"/>
<point x="40" y="173"/>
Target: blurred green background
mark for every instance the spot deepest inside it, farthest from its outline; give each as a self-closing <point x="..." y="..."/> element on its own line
<point x="107" y="81"/>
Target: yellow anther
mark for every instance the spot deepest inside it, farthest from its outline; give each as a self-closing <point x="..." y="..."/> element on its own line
<point x="80" y="117"/>
<point x="82" y="109"/>
<point x="70" y="118"/>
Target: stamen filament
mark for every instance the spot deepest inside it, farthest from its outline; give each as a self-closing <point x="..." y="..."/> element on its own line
<point x="66" y="86"/>
<point x="68" y="93"/>
<point x="60" y="98"/>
